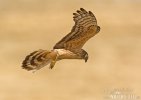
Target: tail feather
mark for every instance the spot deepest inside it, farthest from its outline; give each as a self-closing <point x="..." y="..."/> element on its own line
<point x="36" y="60"/>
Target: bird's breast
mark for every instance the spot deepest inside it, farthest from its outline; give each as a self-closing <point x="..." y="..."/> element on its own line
<point x="66" y="54"/>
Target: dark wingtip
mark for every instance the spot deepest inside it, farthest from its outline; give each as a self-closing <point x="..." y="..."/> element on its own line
<point x="78" y="11"/>
<point x="91" y="13"/>
<point x="74" y="13"/>
<point x="82" y="9"/>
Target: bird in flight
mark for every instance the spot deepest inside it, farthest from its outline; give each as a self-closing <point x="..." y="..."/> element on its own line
<point x="69" y="47"/>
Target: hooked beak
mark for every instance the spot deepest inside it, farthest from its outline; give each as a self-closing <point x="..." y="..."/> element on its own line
<point x="86" y="58"/>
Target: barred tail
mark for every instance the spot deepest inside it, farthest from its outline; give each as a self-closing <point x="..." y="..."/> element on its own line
<point x="36" y="60"/>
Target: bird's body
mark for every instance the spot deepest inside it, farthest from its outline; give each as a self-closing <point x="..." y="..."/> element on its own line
<point x="69" y="47"/>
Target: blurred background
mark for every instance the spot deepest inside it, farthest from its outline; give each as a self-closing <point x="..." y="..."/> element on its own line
<point x="115" y="53"/>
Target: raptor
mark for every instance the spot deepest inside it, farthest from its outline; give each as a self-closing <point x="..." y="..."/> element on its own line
<point x="70" y="46"/>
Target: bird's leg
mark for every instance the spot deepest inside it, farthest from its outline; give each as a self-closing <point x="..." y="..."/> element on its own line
<point x="53" y="60"/>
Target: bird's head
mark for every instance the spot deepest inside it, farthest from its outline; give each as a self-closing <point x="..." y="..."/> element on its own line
<point x="98" y="29"/>
<point x="84" y="55"/>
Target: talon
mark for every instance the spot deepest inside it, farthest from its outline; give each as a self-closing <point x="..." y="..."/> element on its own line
<point x="53" y="61"/>
<point x="52" y="64"/>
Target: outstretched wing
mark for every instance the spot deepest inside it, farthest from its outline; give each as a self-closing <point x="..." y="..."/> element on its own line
<point x="36" y="60"/>
<point x="85" y="27"/>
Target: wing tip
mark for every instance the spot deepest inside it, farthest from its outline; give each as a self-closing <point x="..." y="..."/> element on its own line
<point x="83" y="10"/>
<point x="78" y="11"/>
<point x="91" y="13"/>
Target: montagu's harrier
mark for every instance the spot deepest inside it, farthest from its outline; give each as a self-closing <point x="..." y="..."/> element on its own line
<point x="69" y="47"/>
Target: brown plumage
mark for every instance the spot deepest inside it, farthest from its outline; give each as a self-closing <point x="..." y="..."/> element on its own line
<point x="69" y="47"/>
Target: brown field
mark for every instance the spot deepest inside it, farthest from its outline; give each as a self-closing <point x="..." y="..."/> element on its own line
<point x="115" y="53"/>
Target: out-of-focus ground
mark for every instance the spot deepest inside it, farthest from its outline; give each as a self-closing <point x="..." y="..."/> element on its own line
<point x="115" y="53"/>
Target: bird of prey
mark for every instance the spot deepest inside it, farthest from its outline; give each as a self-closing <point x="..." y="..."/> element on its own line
<point x="69" y="47"/>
